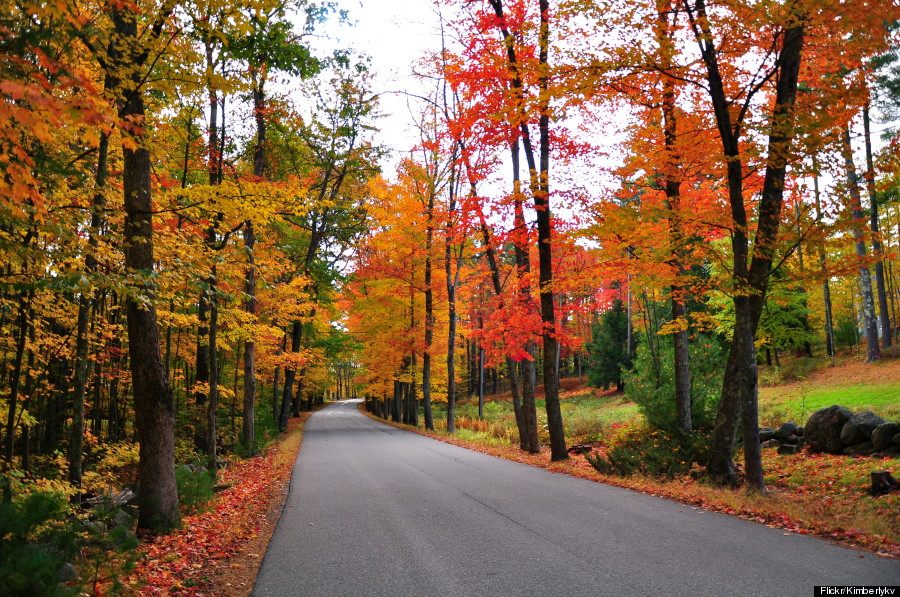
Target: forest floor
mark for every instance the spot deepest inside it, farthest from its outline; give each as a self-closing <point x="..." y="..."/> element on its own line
<point x="218" y="549"/>
<point x="818" y="494"/>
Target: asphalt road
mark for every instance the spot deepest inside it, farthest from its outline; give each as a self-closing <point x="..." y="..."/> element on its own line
<point x="374" y="510"/>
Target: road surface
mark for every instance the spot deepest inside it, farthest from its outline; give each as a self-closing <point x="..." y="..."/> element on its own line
<point x="374" y="510"/>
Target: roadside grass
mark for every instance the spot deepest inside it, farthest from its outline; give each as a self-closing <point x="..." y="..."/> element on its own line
<point x="809" y="494"/>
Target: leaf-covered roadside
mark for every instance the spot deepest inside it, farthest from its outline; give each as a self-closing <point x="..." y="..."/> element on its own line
<point x="200" y="557"/>
<point x="820" y="495"/>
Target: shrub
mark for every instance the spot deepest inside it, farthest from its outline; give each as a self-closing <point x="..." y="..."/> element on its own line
<point x="651" y="384"/>
<point x="195" y="485"/>
<point x="639" y="449"/>
<point x="38" y="540"/>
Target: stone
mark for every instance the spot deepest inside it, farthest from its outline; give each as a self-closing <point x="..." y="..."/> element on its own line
<point x="770" y="443"/>
<point x="67" y="572"/>
<point x="120" y="518"/>
<point x="789" y="449"/>
<point x="882" y="483"/>
<point x="897" y="440"/>
<point x="799" y="431"/>
<point x="859" y="428"/>
<point x="766" y="434"/>
<point x="117" y="499"/>
<point x="580" y="449"/>
<point x="883" y="436"/>
<point x="860" y="449"/>
<point x="792" y="440"/>
<point x="892" y="452"/>
<point x="786" y="430"/>
<point x="823" y="429"/>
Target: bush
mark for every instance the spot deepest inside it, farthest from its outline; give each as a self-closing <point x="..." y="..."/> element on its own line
<point x="651" y="384"/>
<point x="195" y="485"/>
<point x="38" y="541"/>
<point x="638" y="449"/>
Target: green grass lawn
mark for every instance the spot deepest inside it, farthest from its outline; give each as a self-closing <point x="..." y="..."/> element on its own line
<point x="587" y="416"/>
<point x="797" y="403"/>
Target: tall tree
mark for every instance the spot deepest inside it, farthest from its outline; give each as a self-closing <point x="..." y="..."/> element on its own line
<point x="750" y="271"/>
<point x="870" y="322"/>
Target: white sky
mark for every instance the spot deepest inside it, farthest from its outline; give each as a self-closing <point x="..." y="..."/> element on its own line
<point x="394" y="34"/>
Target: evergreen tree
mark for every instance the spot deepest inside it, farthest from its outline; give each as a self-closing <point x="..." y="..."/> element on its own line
<point x="607" y="352"/>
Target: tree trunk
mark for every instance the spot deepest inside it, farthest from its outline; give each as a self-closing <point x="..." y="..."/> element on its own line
<point x="877" y="250"/>
<point x="213" y="405"/>
<point x="531" y="439"/>
<point x="15" y="378"/>
<point x="429" y="318"/>
<point x="287" y="399"/>
<point x="823" y="266"/>
<point x="153" y="404"/>
<point x="739" y="388"/>
<point x="85" y="304"/>
<point x="676" y="236"/>
<point x="865" y="278"/>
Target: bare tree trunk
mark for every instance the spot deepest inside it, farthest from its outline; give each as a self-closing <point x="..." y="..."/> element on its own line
<point x="530" y="440"/>
<point x="213" y="405"/>
<point x="15" y="378"/>
<point x="287" y="399"/>
<point x="85" y="304"/>
<point x="865" y="278"/>
<point x="883" y="314"/>
<point x="823" y="266"/>
<point x="429" y="317"/>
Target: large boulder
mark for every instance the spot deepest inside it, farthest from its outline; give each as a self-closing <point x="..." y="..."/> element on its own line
<point x="883" y="436"/>
<point x="823" y="429"/>
<point x="859" y="428"/>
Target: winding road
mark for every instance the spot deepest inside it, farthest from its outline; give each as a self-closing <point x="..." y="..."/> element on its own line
<point x="374" y="510"/>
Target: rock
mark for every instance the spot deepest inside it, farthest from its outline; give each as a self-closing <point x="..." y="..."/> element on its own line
<point x="117" y="499"/>
<point x="120" y="518"/>
<point x="770" y="443"/>
<point x="882" y="483"/>
<point x="786" y="430"/>
<point x="859" y="428"/>
<point x="96" y="527"/>
<point x="823" y="429"/>
<point x="67" y="572"/>
<point x="860" y="449"/>
<point x="799" y="431"/>
<point x="792" y="440"/>
<point x="196" y="468"/>
<point x="892" y="452"/>
<point x="883" y="436"/>
<point x="766" y="434"/>
<point x="580" y="449"/>
<point x="221" y="487"/>
<point x="789" y="449"/>
<point x="897" y="440"/>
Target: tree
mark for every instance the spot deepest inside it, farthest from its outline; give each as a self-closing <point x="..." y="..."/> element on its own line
<point x="608" y="356"/>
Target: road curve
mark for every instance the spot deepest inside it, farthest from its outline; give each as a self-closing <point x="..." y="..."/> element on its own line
<point x="374" y="510"/>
